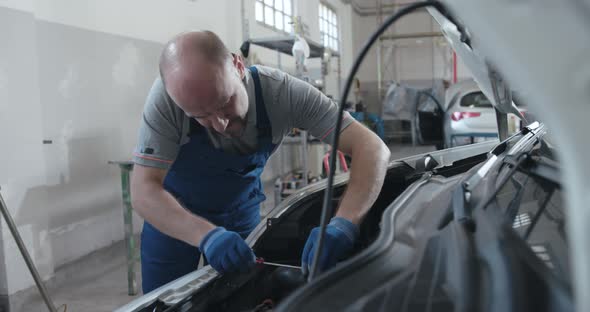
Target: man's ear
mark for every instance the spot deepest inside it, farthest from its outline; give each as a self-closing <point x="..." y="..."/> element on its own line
<point x="238" y="62"/>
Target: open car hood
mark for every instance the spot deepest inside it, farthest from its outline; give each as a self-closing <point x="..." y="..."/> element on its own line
<point x="539" y="47"/>
<point x="487" y="78"/>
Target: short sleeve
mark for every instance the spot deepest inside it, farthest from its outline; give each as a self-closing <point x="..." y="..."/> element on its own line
<point x="160" y="130"/>
<point x="312" y="110"/>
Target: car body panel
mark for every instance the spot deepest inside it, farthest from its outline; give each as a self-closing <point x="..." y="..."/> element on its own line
<point x="533" y="45"/>
<point x="185" y="286"/>
<point x="428" y="259"/>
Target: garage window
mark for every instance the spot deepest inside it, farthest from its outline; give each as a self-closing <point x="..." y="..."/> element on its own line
<point x="275" y="14"/>
<point x="328" y="27"/>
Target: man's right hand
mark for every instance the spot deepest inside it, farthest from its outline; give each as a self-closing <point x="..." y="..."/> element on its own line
<point x="226" y="251"/>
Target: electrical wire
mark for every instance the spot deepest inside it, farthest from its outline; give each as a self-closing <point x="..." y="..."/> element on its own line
<point x="326" y="209"/>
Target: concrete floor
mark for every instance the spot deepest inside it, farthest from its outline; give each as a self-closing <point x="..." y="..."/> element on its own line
<point x="98" y="282"/>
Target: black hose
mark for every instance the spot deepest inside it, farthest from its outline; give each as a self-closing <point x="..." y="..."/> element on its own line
<point x="326" y="209"/>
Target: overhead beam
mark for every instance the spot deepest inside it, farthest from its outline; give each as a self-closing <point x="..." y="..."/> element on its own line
<point x="373" y="10"/>
<point x="432" y="34"/>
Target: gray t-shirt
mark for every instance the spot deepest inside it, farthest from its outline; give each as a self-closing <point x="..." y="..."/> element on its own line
<point x="290" y="103"/>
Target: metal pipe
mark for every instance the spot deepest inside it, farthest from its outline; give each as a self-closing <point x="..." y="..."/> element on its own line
<point x="432" y="54"/>
<point x="305" y="158"/>
<point x="368" y="10"/>
<point x="128" y="224"/>
<point x="339" y="75"/>
<point x="245" y="22"/>
<point x="454" y="67"/>
<point x="26" y="256"/>
<point x="379" y="57"/>
<point x="392" y="5"/>
<point x="412" y="36"/>
<point x="502" y="122"/>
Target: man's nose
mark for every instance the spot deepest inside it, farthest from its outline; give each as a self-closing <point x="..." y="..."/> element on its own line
<point x="219" y="123"/>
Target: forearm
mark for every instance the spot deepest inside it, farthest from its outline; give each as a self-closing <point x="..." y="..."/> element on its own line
<point x="369" y="165"/>
<point x="163" y="211"/>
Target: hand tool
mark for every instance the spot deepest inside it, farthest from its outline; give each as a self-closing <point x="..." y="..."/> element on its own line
<point x="261" y="261"/>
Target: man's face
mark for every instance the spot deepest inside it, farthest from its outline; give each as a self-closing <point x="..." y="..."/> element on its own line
<point x="215" y="96"/>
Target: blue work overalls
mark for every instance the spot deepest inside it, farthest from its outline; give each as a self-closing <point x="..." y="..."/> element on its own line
<point x="221" y="187"/>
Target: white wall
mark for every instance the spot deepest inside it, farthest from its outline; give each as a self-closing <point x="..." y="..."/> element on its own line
<point x="22" y="164"/>
<point x="152" y="20"/>
<point x="82" y="91"/>
<point x="77" y="73"/>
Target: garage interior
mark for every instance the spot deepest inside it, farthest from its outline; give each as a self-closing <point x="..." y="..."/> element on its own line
<point x="74" y="77"/>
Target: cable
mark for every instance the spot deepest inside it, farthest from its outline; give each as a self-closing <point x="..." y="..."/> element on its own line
<point x="326" y="209"/>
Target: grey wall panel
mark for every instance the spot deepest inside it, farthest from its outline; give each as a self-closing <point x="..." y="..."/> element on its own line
<point x="92" y="90"/>
<point x="83" y="91"/>
<point x="21" y="160"/>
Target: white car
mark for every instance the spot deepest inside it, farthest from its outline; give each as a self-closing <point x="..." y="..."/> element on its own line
<point x="470" y="117"/>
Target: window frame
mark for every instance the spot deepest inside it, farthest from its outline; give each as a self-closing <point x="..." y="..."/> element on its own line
<point x="287" y="28"/>
<point x="335" y="35"/>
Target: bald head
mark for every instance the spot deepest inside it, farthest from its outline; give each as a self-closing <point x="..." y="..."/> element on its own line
<point x="190" y="49"/>
<point x="205" y="80"/>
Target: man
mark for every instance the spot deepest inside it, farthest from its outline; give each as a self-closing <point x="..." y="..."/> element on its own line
<point x="209" y="125"/>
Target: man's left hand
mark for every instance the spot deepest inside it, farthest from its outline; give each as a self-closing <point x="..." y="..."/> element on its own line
<point x="339" y="240"/>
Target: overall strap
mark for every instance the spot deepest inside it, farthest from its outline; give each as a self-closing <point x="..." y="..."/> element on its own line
<point x="262" y="121"/>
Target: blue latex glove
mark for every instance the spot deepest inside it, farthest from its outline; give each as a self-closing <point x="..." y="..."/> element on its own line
<point x="339" y="240"/>
<point x="226" y="251"/>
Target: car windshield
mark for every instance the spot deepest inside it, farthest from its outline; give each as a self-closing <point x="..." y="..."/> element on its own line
<point x="475" y="100"/>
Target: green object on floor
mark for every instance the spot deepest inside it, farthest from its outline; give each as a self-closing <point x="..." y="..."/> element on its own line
<point x="130" y="245"/>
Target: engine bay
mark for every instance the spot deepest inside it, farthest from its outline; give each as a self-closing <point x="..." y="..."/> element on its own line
<point x="264" y="287"/>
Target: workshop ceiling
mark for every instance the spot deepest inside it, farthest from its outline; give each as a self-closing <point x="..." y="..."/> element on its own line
<point x="369" y="7"/>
